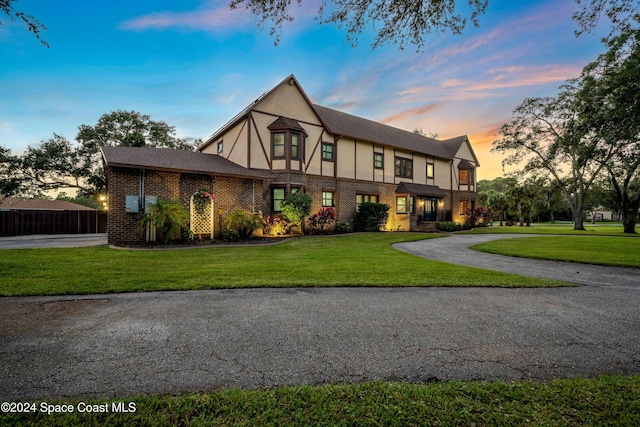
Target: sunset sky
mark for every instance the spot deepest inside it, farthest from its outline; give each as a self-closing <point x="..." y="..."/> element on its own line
<point x="195" y="64"/>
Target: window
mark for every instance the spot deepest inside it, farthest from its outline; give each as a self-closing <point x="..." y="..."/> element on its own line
<point x="401" y="205"/>
<point x="295" y="145"/>
<point x="277" y="197"/>
<point x="404" y="167"/>
<point x="278" y="144"/>
<point x="429" y="170"/>
<point x="327" y="199"/>
<point x="327" y="151"/>
<point x="365" y="198"/>
<point x="378" y="160"/>
<point x="412" y="202"/>
<point x="464" y="176"/>
<point x="220" y="147"/>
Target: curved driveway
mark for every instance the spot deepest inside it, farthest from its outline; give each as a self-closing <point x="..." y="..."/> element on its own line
<point x="455" y="249"/>
<point x="167" y="342"/>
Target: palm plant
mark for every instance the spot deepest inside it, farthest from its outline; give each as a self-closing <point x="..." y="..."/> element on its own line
<point x="168" y="217"/>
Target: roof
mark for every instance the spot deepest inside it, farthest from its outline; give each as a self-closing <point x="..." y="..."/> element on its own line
<point x="420" y="189"/>
<point x="170" y="160"/>
<point x="347" y="125"/>
<point x="350" y="126"/>
<point x="465" y="164"/>
<point x="40" y="204"/>
<point x="285" y="123"/>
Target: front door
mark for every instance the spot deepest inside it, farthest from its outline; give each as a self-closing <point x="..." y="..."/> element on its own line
<point x="430" y="208"/>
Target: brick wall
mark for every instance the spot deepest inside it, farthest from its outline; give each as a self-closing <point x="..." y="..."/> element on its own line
<point x="230" y="194"/>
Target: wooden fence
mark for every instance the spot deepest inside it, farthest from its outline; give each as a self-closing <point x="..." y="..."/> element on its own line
<point x="22" y="222"/>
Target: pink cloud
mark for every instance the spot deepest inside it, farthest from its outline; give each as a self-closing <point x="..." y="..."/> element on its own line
<point x="412" y="112"/>
<point x="219" y="18"/>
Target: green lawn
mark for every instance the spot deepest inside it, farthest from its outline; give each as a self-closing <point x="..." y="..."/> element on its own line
<point x="608" y="400"/>
<point x="601" y="250"/>
<point x="602" y="229"/>
<point x="352" y="260"/>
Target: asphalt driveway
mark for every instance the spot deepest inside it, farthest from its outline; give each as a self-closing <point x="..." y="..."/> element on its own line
<point x="168" y="342"/>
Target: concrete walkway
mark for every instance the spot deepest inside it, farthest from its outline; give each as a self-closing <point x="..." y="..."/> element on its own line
<point x="120" y="345"/>
<point x="456" y="250"/>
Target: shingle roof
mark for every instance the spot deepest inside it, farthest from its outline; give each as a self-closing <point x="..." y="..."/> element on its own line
<point x="40" y="204"/>
<point x="351" y="126"/>
<point x="176" y="161"/>
<point x="420" y="189"/>
<point x="285" y="123"/>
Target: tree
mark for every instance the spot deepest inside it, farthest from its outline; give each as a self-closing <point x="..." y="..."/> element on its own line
<point x="295" y="207"/>
<point x="546" y="134"/>
<point x="619" y="12"/>
<point x="402" y="22"/>
<point x="58" y="163"/>
<point x="55" y="163"/>
<point x="32" y="23"/>
<point x="11" y="177"/>
<point x="610" y="108"/>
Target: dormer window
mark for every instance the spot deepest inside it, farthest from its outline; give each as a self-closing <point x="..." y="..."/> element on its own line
<point x="287" y="139"/>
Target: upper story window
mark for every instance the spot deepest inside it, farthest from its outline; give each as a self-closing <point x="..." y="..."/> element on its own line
<point x="295" y="145"/>
<point x="327" y="151"/>
<point x="378" y="160"/>
<point x="430" y="170"/>
<point x="404" y="167"/>
<point x="277" y="144"/>
<point x="220" y="147"/>
<point x="466" y="176"/>
<point x="287" y="139"/>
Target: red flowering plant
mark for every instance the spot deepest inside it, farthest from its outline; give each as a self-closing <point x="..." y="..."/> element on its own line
<point x="320" y="222"/>
<point x="201" y="198"/>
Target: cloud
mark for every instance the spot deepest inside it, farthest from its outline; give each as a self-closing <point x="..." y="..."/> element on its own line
<point x="410" y="113"/>
<point x="199" y="20"/>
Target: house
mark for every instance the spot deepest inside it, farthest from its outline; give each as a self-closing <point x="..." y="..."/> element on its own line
<point x="283" y="143"/>
<point x="40" y="216"/>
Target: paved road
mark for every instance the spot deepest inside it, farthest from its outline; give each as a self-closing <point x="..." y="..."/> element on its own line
<point x="455" y="249"/>
<point x="167" y="342"/>
<point x="53" y="241"/>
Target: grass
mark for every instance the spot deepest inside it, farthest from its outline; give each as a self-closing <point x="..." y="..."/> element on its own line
<point x="353" y="260"/>
<point x="608" y="400"/>
<point x="599" y="250"/>
<point x="606" y="229"/>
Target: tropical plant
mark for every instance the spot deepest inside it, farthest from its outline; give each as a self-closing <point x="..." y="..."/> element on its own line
<point x="168" y="216"/>
<point x="243" y="223"/>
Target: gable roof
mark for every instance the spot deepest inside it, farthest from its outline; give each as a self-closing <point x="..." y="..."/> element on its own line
<point x="291" y="79"/>
<point x="350" y="126"/>
<point x="170" y="160"/>
<point x="40" y="204"/>
<point x="343" y="124"/>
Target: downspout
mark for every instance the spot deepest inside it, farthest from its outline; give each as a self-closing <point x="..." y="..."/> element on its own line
<point x="141" y="205"/>
<point x="451" y="186"/>
<point x="253" y="196"/>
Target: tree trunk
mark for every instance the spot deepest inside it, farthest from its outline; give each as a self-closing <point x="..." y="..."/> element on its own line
<point x="629" y="215"/>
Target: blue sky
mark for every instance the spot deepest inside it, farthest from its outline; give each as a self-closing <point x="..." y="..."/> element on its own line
<point x="194" y="64"/>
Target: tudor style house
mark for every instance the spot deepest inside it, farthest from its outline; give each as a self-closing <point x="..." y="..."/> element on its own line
<point x="283" y="143"/>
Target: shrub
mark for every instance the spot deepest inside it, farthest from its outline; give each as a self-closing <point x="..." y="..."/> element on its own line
<point x="242" y="223"/>
<point x="481" y="214"/>
<point x="321" y="221"/>
<point x="231" y="236"/>
<point x="343" y="227"/>
<point x="371" y="216"/>
<point x="295" y="207"/>
<point x="275" y="226"/>
<point x="168" y="217"/>
<point x="449" y="226"/>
